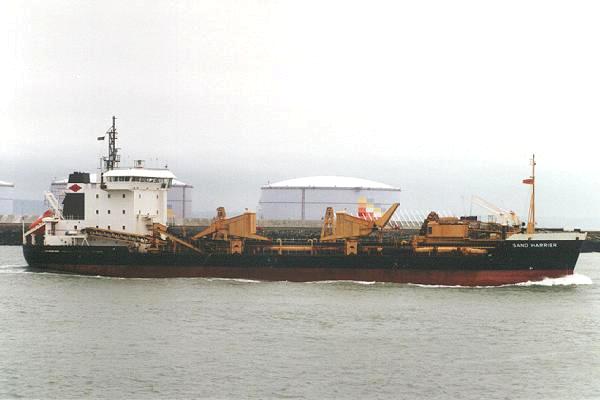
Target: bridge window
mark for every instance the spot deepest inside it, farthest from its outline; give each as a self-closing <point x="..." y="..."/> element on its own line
<point x="123" y="227"/>
<point x="109" y="211"/>
<point x="109" y="195"/>
<point x="123" y="195"/>
<point x="97" y="211"/>
<point x="108" y="227"/>
<point x="123" y="211"/>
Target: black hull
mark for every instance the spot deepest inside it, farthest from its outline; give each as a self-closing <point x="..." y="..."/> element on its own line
<point x="509" y="262"/>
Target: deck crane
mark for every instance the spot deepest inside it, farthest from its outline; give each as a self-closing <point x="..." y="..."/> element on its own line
<point x="235" y="230"/>
<point x="349" y="228"/>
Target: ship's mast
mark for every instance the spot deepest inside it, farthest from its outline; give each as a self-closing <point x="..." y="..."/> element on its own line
<point x="112" y="161"/>
<point x="531" y="218"/>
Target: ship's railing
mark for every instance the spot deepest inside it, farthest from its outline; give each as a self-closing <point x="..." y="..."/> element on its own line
<point x="315" y="246"/>
<point x="71" y="217"/>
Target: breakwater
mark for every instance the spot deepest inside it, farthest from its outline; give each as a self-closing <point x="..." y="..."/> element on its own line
<point x="11" y="234"/>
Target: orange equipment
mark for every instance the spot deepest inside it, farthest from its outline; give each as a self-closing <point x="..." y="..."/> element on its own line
<point x="347" y="226"/>
<point x="238" y="227"/>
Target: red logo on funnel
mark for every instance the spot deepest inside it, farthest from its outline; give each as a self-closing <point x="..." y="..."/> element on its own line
<point x="75" y="188"/>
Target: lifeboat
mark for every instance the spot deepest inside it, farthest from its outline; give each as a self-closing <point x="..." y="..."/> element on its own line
<point x="39" y="220"/>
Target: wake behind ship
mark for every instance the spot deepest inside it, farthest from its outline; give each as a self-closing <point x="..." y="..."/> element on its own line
<point x="118" y="227"/>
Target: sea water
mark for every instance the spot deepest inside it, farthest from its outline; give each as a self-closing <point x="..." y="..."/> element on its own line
<point x="70" y="336"/>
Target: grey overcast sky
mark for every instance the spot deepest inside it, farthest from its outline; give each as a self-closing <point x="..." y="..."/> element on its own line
<point x="444" y="99"/>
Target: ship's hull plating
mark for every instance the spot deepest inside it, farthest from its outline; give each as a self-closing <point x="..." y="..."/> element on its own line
<point x="510" y="262"/>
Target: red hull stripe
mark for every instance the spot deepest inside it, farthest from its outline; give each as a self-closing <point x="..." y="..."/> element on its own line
<point x="427" y="277"/>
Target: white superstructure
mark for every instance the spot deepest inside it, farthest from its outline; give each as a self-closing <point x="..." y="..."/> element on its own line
<point x="179" y="197"/>
<point x="128" y="200"/>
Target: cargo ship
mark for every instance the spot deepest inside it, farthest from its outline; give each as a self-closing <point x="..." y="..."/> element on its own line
<point x="117" y="227"/>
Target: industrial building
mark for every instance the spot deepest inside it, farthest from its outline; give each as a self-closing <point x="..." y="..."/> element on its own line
<point x="307" y="198"/>
<point x="179" y="198"/>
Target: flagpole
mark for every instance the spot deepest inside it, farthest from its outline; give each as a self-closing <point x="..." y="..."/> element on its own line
<point x="533" y="192"/>
<point x="531" y="222"/>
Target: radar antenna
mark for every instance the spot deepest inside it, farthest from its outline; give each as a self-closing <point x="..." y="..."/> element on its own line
<point x="113" y="159"/>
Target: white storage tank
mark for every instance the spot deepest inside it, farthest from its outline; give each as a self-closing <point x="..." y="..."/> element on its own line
<point x="308" y="198"/>
<point x="179" y="202"/>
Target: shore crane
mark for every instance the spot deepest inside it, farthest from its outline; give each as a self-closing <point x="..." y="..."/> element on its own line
<point x="504" y="217"/>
